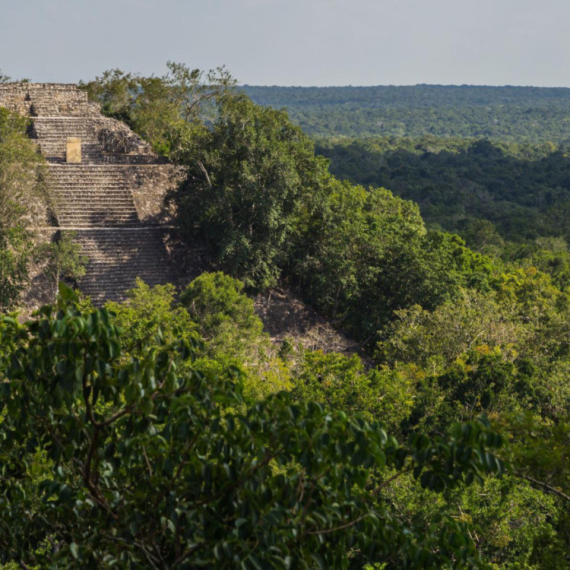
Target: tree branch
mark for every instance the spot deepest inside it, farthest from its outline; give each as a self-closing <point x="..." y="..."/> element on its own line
<point x="205" y="172"/>
<point x="336" y="528"/>
<point x="545" y="485"/>
<point x="391" y="479"/>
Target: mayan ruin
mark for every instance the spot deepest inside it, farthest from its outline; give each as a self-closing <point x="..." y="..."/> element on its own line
<point x="106" y="186"/>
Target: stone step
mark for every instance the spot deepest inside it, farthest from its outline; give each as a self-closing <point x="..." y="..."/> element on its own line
<point x="94" y="168"/>
<point x="94" y="212"/>
<point x="88" y="181"/>
<point x="85" y="177"/>
<point x="68" y="219"/>
<point x="74" y="200"/>
<point x="80" y="207"/>
<point x="117" y="258"/>
<point x="102" y="193"/>
<point x="103" y="190"/>
<point x="93" y="186"/>
<point x="94" y="217"/>
<point x="80" y="201"/>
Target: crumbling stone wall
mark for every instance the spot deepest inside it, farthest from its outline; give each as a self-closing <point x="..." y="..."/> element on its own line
<point x="150" y="186"/>
<point x="47" y="99"/>
<point x="116" y="138"/>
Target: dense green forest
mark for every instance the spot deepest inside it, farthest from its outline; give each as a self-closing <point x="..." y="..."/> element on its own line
<point x="505" y="113"/>
<point x="523" y="189"/>
<point x="169" y="432"/>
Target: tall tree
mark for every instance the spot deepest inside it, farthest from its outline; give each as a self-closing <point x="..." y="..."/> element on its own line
<point x="156" y="106"/>
<point x="250" y="176"/>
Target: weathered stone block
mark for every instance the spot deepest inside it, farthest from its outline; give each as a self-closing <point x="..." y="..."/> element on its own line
<point x="73" y="154"/>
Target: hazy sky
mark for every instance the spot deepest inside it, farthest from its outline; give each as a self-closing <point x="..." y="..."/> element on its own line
<point x="293" y="42"/>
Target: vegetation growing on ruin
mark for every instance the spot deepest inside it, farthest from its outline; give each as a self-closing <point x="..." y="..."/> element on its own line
<point x="24" y="202"/>
<point x="20" y="170"/>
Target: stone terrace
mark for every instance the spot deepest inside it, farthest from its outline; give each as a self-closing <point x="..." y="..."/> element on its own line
<point x="112" y="198"/>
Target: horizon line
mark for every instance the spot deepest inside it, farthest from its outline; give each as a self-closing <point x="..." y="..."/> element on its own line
<point x="441" y="85"/>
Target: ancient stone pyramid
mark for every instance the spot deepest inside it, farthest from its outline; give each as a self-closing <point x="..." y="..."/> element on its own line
<point x="107" y="186"/>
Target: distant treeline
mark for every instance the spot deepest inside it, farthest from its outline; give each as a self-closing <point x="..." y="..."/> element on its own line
<point x="506" y="113"/>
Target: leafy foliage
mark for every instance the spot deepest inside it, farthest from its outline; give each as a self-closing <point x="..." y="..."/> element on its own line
<point x="437" y="338"/>
<point x="62" y="258"/>
<point x="14" y="259"/>
<point x="148" y="312"/>
<point x="248" y="178"/>
<point x="368" y="254"/>
<point x="156" y="106"/>
<point x="20" y="188"/>
<point x="142" y="465"/>
<point x="225" y="316"/>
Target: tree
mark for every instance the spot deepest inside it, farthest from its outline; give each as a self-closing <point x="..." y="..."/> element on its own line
<point x="22" y="194"/>
<point x="539" y="457"/>
<point x="345" y="242"/>
<point x="21" y="170"/>
<point x="15" y="247"/>
<point x="225" y="317"/>
<point x="111" y="459"/>
<point x="337" y="381"/>
<point x="366" y="254"/>
<point x="514" y="525"/>
<point x="156" y="107"/>
<point x="249" y="178"/>
<point x="63" y="259"/>
<point x="434" y="340"/>
<point x="151" y="312"/>
<point x="341" y="383"/>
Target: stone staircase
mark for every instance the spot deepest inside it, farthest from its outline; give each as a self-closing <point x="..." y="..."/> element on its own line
<point x="95" y="199"/>
<point x="118" y="256"/>
<point x="93" y="195"/>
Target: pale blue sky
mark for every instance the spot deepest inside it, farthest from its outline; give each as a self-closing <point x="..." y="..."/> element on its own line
<point x="293" y="42"/>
